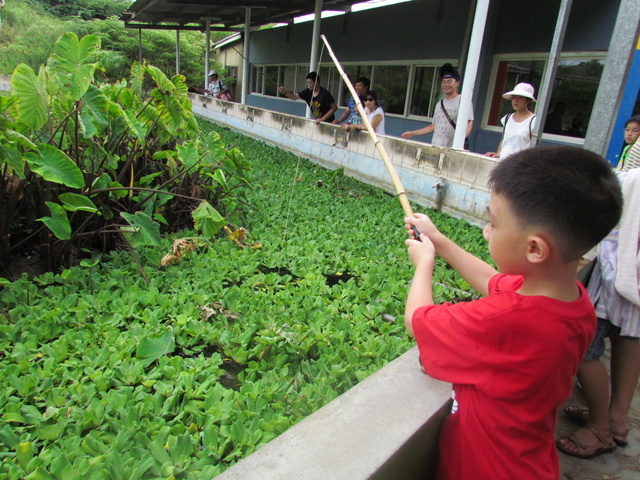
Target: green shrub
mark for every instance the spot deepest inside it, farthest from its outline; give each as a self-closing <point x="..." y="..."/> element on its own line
<point x="88" y="165"/>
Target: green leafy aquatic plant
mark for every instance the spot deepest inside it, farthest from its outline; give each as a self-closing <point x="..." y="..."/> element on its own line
<point x="92" y="165"/>
<point x="110" y="377"/>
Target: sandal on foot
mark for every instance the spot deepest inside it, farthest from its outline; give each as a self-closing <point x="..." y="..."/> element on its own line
<point x="576" y="446"/>
<point x="580" y="415"/>
<point x="620" y="438"/>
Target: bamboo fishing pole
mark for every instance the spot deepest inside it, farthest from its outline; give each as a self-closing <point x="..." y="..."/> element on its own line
<point x="402" y="195"/>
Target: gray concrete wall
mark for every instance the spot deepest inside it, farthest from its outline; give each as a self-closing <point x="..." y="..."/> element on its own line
<point x="421" y="167"/>
<point x="384" y="428"/>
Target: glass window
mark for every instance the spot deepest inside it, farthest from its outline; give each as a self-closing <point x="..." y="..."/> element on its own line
<point x="574" y="91"/>
<point x="572" y="96"/>
<point x="271" y="80"/>
<point x="424" y="93"/>
<point x="390" y="84"/>
<point x="255" y="79"/>
<point x="330" y="79"/>
<point x="288" y="78"/>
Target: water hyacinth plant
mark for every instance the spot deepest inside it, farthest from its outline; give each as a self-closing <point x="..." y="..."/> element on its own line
<point x="108" y="377"/>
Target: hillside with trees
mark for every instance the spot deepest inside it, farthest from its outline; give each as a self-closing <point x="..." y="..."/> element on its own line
<point x="30" y="28"/>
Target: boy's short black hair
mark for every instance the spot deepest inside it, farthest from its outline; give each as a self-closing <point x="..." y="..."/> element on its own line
<point x="571" y="193"/>
<point x="364" y="81"/>
<point x="313" y="76"/>
<point x="634" y="119"/>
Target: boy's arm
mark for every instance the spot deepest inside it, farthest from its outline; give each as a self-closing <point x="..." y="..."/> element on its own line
<point x="475" y="271"/>
<point x="422" y="255"/>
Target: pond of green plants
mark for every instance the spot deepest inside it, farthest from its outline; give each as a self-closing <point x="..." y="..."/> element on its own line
<point x="108" y="377"/>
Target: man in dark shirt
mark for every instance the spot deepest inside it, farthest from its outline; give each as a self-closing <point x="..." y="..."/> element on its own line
<point x="320" y="101"/>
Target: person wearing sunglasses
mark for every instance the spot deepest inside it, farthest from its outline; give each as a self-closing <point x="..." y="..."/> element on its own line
<point x="374" y="112"/>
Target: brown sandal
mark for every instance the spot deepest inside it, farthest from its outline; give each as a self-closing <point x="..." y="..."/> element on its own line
<point x="577" y="447"/>
<point x="580" y="415"/>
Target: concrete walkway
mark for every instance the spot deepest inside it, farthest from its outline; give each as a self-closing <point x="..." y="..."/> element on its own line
<point x="622" y="464"/>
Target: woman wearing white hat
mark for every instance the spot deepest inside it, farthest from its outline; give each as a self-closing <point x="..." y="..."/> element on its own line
<point x="517" y="126"/>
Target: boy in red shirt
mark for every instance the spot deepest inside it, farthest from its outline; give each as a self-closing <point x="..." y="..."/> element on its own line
<point x="511" y="356"/>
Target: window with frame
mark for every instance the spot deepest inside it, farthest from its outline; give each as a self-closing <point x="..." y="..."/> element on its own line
<point x="271" y="79"/>
<point x="390" y="84"/>
<point x="425" y="91"/>
<point x="574" y="91"/>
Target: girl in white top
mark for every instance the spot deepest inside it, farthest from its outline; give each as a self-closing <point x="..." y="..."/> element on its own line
<point x="518" y="126"/>
<point x="374" y="112"/>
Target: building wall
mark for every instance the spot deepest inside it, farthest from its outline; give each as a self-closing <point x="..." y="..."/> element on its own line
<point x="436" y="30"/>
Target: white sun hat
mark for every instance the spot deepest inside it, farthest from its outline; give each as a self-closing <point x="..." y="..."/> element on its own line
<point x="213" y="72"/>
<point x="522" y="90"/>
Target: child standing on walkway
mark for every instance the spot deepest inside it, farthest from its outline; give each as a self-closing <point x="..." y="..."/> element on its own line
<point x="511" y="356"/>
<point x="615" y="291"/>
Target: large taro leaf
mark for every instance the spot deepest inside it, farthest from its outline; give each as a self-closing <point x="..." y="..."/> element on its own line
<point x="58" y="222"/>
<point x="188" y="154"/>
<point x="12" y="157"/>
<point x="153" y="347"/>
<point x="170" y="110"/>
<point x="31" y="96"/>
<point x="161" y="80"/>
<point x="55" y="166"/>
<point x="69" y="51"/>
<point x="99" y="105"/>
<point x="207" y="219"/>
<point x="143" y="231"/>
<point x="74" y="202"/>
<point x="136" y="126"/>
<point x="68" y="64"/>
<point x="212" y="148"/>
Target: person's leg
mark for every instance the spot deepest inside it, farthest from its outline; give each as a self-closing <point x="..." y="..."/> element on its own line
<point x="595" y="438"/>
<point x="594" y="382"/>
<point x="625" y="371"/>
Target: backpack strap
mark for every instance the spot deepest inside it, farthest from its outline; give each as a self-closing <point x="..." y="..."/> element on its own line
<point x="446" y="114"/>
<point x="504" y="128"/>
<point x="530" y="126"/>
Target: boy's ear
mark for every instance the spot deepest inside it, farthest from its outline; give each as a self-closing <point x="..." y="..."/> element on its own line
<point x="539" y="248"/>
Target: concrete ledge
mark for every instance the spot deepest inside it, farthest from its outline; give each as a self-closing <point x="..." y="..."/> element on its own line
<point x="384" y="428"/>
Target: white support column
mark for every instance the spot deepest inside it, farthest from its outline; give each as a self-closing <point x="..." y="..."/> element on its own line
<point x="315" y="42"/>
<point x="549" y="74"/>
<point x="245" y="61"/>
<point x="178" y="52"/>
<point x="315" y="37"/>
<point x="470" y="72"/>
<point x="207" y="46"/>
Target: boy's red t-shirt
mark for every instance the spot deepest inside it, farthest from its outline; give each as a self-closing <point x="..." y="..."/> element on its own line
<point x="511" y="359"/>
